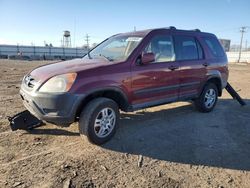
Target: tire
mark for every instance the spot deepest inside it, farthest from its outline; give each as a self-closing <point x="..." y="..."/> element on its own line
<point x="99" y="119"/>
<point x="208" y="98"/>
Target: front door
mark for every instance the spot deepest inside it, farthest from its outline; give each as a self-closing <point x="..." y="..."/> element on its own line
<point x="156" y="82"/>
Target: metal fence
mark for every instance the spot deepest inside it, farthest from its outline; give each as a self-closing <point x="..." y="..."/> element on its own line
<point x="40" y="52"/>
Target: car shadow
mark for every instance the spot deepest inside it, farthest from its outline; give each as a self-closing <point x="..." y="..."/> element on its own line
<point x="181" y="134"/>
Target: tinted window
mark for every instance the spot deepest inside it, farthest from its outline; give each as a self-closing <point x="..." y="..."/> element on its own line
<point x="162" y="47"/>
<point x="187" y="49"/>
<point x="214" y="46"/>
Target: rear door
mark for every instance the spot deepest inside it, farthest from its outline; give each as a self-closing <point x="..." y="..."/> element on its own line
<point x="156" y="82"/>
<point x="190" y="57"/>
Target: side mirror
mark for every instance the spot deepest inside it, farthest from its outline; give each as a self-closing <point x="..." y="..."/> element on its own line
<point x="147" y="58"/>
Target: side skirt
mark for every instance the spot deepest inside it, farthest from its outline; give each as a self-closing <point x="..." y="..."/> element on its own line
<point x="161" y="102"/>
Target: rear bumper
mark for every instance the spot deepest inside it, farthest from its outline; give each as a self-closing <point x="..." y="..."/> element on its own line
<point x="59" y="109"/>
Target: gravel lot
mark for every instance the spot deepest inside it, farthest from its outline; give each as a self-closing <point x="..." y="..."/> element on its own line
<point x="168" y="146"/>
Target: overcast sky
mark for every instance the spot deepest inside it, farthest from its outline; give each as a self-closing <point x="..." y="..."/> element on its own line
<point x="29" y="22"/>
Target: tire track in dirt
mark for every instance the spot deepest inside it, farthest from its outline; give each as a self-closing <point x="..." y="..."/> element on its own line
<point x="5" y="132"/>
<point x="41" y="153"/>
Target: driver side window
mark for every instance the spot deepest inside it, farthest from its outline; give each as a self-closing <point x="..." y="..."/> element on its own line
<point x="162" y="47"/>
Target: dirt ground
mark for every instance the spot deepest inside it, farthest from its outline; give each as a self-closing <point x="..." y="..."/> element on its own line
<point x="167" y="146"/>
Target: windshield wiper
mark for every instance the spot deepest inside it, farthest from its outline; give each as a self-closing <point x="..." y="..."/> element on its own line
<point x="106" y="57"/>
<point x="103" y="56"/>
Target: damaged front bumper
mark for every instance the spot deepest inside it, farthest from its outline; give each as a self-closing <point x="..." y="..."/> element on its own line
<point x="24" y="120"/>
<point x="59" y="108"/>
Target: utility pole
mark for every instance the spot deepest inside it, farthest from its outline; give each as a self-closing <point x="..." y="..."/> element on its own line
<point x="242" y="30"/>
<point x="87" y="40"/>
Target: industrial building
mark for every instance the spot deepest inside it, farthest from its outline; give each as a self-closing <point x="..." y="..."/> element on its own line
<point x="40" y="52"/>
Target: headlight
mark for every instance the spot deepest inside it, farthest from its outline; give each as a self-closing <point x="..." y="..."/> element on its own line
<point x="60" y="83"/>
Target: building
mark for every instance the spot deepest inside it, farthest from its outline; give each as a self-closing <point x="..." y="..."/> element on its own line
<point x="226" y="44"/>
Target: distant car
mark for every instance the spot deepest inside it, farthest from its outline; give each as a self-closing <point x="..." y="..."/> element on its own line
<point x="128" y="72"/>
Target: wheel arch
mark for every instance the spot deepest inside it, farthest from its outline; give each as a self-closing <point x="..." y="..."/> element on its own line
<point x="113" y="93"/>
<point x="217" y="81"/>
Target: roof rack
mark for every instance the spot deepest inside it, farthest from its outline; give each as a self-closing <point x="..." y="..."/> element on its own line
<point x="197" y="30"/>
<point x="171" y="27"/>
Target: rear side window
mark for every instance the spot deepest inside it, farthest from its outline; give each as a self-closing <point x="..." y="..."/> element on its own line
<point x="214" y="46"/>
<point x="187" y="48"/>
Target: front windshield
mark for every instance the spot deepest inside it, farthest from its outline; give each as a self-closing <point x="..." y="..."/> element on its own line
<point x="116" y="48"/>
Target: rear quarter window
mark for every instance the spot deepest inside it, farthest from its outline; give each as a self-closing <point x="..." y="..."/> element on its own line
<point x="214" y="46"/>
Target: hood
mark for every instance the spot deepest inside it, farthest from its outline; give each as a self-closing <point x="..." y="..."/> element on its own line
<point x="47" y="71"/>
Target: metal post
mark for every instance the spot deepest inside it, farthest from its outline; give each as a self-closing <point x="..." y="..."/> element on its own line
<point x="17" y="48"/>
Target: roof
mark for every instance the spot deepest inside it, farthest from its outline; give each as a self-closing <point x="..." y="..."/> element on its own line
<point x="147" y="31"/>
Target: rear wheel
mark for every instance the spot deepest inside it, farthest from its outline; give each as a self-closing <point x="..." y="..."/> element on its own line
<point x="208" y="98"/>
<point x="99" y="119"/>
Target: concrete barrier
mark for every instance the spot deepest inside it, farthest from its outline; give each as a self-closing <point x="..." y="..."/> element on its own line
<point x="234" y="56"/>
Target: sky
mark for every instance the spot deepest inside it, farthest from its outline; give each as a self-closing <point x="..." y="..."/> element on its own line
<point x="31" y="22"/>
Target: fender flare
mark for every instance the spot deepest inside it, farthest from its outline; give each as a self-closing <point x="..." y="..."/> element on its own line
<point x="213" y="74"/>
<point x="124" y="105"/>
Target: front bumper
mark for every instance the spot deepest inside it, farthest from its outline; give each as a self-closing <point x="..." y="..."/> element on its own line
<point x="59" y="109"/>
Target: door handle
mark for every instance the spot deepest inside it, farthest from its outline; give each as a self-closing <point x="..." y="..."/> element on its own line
<point x="205" y="64"/>
<point x="172" y="67"/>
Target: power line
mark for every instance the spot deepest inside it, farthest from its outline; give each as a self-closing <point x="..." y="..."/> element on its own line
<point x="226" y="29"/>
<point x="242" y="30"/>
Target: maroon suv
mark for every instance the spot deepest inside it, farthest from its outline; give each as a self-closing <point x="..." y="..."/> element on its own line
<point x="128" y="72"/>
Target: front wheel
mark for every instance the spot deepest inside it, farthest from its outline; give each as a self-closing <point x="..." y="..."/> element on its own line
<point x="208" y="98"/>
<point x="99" y="119"/>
